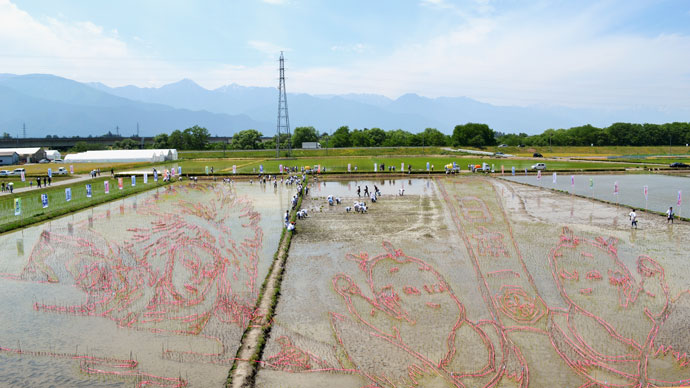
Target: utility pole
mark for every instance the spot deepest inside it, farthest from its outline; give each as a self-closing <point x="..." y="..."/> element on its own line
<point x="24" y="130"/>
<point x="117" y="130"/>
<point x="283" y="118"/>
<point x="137" y="129"/>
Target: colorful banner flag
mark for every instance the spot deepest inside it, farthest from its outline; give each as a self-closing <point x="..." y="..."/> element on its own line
<point x="146" y="178"/>
<point x="427" y="166"/>
<point x="591" y="183"/>
<point x="234" y="169"/>
<point x="172" y="172"/>
<point x="120" y="183"/>
<point x="68" y="194"/>
<point x="572" y="180"/>
<point x="50" y="173"/>
<point x="349" y="166"/>
<point x="88" y="190"/>
<point x="645" y="190"/>
<point x="555" y="178"/>
<point x="134" y="180"/>
<point x="525" y="171"/>
<point x="106" y="187"/>
<point x="376" y="167"/>
<point x="539" y="175"/>
<point x="513" y="170"/>
<point x="23" y="176"/>
<point x="71" y="169"/>
<point x="261" y="169"/>
<point x="502" y="170"/>
<point x="17" y="206"/>
<point x="402" y="166"/>
<point x="680" y="197"/>
<point x="615" y="188"/>
<point x="179" y="170"/>
<point x="280" y="168"/>
<point x="155" y="175"/>
<point x="44" y="200"/>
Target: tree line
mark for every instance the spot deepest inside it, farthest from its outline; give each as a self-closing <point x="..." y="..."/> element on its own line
<point x="464" y="135"/>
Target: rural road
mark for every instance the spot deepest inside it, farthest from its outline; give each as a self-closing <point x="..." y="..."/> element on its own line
<point x="76" y="179"/>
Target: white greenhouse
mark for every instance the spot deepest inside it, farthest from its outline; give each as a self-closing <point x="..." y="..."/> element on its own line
<point x="123" y="156"/>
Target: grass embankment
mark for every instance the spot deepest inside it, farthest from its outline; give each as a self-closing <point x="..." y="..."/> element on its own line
<point x="33" y="211"/>
<point x="244" y="369"/>
<point x="366" y="164"/>
<point x="322" y="152"/>
<point x="603" y="151"/>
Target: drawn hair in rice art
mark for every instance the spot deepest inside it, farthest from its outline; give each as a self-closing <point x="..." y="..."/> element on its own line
<point x="405" y="327"/>
<point x="190" y="269"/>
<point x="617" y="329"/>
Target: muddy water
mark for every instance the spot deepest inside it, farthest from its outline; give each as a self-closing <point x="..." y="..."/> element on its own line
<point x="662" y="190"/>
<point x="476" y="282"/>
<point x="166" y="278"/>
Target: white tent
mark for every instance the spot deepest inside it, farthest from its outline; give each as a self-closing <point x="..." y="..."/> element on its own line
<point x="123" y="156"/>
<point x="53" y="154"/>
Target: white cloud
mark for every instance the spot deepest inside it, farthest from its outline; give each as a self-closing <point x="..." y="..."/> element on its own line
<point x="356" y="48"/>
<point x="267" y="48"/>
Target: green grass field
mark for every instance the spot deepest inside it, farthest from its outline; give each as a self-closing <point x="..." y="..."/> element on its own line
<point x="33" y="211"/>
<point x="366" y="164"/>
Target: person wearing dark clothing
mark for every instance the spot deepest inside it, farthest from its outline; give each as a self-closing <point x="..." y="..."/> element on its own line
<point x="45" y="181"/>
<point x="38" y="180"/>
<point x="50" y="180"/>
<point x="366" y="191"/>
<point x="359" y="191"/>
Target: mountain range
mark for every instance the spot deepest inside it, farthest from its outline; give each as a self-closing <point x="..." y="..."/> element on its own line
<point x="54" y="105"/>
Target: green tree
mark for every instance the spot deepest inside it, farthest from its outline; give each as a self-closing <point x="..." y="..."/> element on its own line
<point x="432" y="137"/>
<point x="176" y="140"/>
<point x="473" y="135"/>
<point x="376" y="135"/>
<point x="161" y="141"/>
<point x="303" y="135"/>
<point x="360" y="138"/>
<point x="126" y="144"/>
<point x="398" y="138"/>
<point x="196" y="138"/>
<point x="249" y="139"/>
<point x="341" y="138"/>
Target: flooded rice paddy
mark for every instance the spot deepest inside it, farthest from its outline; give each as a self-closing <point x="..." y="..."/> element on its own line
<point x="460" y="282"/>
<point x="475" y="282"/>
<point x="154" y="290"/>
<point x="662" y="190"/>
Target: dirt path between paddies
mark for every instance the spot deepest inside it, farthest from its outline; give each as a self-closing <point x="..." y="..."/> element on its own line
<point x="247" y="360"/>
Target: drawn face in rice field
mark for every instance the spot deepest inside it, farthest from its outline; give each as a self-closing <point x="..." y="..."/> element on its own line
<point x="188" y="263"/>
<point x="407" y="317"/>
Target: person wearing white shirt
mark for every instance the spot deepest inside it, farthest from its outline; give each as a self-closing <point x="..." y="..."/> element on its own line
<point x="633" y="218"/>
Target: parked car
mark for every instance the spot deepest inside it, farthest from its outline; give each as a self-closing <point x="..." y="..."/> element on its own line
<point x="58" y="161"/>
<point x="5" y="173"/>
<point x="61" y="171"/>
<point x="537" y="155"/>
<point x="503" y="145"/>
<point x="44" y="161"/>
<point x="539" y="166"/>
<point x="18" y="171"/>
<point x="679" y="165"/>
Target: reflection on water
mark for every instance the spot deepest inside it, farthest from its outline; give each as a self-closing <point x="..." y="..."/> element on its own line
<point x="662" y="189"/>
<point x="158" y="293"/>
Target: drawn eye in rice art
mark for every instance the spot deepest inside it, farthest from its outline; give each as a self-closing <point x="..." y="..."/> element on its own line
<point x="617" y="329"/>
<point x="406" y="327"/>
<point x="191" y="270"/>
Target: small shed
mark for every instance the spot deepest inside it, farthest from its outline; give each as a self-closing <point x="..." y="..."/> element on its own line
<point x="8" y="158"/>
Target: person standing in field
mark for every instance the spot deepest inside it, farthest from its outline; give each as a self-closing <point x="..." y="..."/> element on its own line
<point x="359" y="191"/>
<point x="633" y="218"/>
<point x="669" y="215"/>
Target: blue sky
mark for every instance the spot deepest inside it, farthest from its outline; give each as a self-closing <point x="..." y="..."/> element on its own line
<point x="615" y="53"/>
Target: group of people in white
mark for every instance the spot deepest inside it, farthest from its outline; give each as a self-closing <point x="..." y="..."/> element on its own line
<point x="670" y="215"/>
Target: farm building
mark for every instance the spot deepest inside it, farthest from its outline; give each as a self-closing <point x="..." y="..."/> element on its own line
<point x="8" y="158"/>
<point x="120" y="156"/>
<point x="27" y="155"/>
<point x="53" y="154"/>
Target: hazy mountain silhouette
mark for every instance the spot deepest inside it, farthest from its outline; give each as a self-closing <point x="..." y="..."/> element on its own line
<point x="58" y="106"/>
<point x="55" y="105"/>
